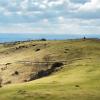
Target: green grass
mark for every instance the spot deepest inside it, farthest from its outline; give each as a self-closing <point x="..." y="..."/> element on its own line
<point x="78" y="80"/>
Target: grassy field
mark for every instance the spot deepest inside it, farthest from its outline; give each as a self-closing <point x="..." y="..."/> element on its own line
<point x="79" y="79"/>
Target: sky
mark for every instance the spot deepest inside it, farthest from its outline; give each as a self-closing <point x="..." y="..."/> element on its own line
<point x="50" y="16"/>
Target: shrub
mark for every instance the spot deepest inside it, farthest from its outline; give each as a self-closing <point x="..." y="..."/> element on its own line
<point x="8" y="82"/>
<point x="0" y="82"/>
<point x="77" y="86"/>
<point x="37" y="50"/>
<point x="43" y="39"/>
<point x="56" y="65"/>
<point x="15" y="73"/>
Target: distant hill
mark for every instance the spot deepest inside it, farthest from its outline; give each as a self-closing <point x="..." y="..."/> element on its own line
<point x="11" y="37"/>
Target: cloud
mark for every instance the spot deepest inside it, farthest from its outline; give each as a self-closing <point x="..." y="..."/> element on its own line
<point x="50" y="16"/>
<point x="92" y="5"/>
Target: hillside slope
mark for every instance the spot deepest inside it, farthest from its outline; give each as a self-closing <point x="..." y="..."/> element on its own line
<point x="77" y="80"/>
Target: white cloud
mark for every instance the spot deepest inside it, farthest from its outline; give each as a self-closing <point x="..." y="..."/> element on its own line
<point x="49" y="16"/>
<point x="93" y="5"/>
<point x="42" y="6"/>
<point x="45" y="2"/>
<point x="56" y="3"/>
<point x="73" y="6"/>
<point x="35" y="3"/>
<point x="61" y="19"/>
<point x="65" y="26"/>
<point x="24" y="4"/>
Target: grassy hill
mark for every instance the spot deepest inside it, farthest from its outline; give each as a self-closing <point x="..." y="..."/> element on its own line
<point x="78" y="79"/>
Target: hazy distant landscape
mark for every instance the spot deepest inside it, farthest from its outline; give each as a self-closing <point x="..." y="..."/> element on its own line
<point x="12" y="37"/>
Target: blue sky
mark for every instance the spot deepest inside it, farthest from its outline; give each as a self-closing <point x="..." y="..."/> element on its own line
<point x="50" y="16"/>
